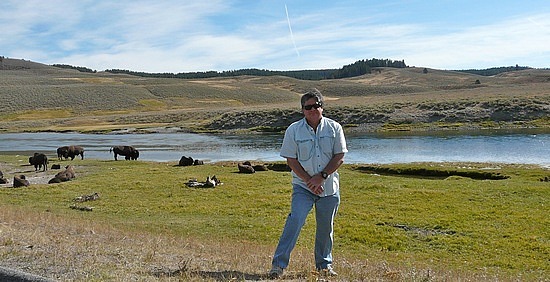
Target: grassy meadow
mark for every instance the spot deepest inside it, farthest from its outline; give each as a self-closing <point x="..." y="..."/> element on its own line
<point x="394" y="224"/>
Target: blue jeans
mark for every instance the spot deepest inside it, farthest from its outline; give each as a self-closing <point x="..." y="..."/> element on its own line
<point x="325" y="210"/>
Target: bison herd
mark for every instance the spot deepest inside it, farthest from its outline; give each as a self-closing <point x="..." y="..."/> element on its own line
<point x="40" y="162"/>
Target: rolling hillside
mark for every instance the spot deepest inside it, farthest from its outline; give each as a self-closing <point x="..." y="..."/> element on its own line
<point x="40" y="97"/>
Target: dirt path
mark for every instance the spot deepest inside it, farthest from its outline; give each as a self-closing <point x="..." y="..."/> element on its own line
<point x="34" y="177"/>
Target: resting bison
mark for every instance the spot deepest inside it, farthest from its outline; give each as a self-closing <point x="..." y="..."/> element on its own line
<point x="70" y="152"/>
<point x="39" y="161"/>
<point x="245" y="168"/>
<point x="129" y="152"/>
<point x="2" y="179"/>
<point x="20" y="181"/>
<point x="186" y="161"/>
<point x="261" y="167"/>
<point x="64" y="175"/>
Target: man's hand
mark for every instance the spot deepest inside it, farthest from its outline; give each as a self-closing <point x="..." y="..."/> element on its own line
<point x="315" y="184"/>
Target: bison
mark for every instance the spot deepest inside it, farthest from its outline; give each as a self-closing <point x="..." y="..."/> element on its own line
<point x="70" y="152"/>
<point x="20" y="181"/>
<point x="129" y="152"/>
<point x="2" y="179"/>
<point x="186" y="161"/>
<point x="245" y="168"/>
<point x="260" y="167"/>
<point x="64" y="175"/>
<point x="39" y="161"/>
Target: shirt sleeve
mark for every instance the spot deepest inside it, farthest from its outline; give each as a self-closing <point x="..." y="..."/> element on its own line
<point x="289" y="147"/>
<point x="340" y="145"/>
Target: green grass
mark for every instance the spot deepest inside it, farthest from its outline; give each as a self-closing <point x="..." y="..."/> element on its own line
<point x="458" y="224"/>
<point x="457" y="221"/>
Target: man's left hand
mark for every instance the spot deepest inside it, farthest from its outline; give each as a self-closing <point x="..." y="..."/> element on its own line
<point x="315" y="184"/>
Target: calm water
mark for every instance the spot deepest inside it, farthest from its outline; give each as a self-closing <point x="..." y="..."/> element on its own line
<point x="529" y="147"/>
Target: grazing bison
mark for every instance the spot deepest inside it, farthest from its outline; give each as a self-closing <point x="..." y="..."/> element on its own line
<point x="70" y="152"/>
<point x="20" y="181"/>
<point x="64" y="175"/>
<point x="129" y="152"/>
<point x="62" y="152"/>
<point x="39" y="161"/>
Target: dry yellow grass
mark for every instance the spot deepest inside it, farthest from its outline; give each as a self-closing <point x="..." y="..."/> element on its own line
<point x="73" y="249"/>
<point x="391" y="95"/>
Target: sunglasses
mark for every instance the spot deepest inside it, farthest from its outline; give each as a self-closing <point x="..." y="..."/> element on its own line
<point x="313" y="106"/>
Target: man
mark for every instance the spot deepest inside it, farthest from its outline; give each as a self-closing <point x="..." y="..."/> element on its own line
<point x="314" y="148"/>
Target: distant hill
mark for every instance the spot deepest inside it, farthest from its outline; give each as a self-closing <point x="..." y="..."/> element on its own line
<point x="37" y="96"/>
<point x="358" y="68"/>
<point x="495" y="71"/>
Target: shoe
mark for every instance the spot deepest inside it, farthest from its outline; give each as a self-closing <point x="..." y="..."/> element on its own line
<point x="275" y="272"/>
<point x="327" y="272"/>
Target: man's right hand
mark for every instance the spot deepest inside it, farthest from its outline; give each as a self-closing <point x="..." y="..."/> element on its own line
<point x="315" y="184"/>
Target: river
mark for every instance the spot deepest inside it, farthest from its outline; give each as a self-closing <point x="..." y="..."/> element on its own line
<point x="500" y="146"/>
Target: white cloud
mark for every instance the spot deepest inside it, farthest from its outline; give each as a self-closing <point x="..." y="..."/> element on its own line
<point x="176" y="36"/>
<point x="505" y="43"/>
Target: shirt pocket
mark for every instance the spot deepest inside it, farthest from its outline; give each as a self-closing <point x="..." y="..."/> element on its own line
<point x="305" y="149"/>
<point x="326" y="142"/>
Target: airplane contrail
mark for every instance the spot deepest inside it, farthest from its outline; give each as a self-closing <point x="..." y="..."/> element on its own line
<point x="291" y="35"/>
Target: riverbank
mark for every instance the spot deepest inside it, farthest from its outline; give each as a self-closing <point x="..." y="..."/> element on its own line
<point x="263" y="122"/>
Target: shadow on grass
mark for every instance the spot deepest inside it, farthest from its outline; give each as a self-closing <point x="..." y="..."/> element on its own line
<point x="224" y="275"/>
<point x="227" y="275"/>
<point x="431" y="173"/>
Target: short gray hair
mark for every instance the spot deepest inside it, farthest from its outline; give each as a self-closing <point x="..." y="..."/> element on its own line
<point x="313" y="93"/>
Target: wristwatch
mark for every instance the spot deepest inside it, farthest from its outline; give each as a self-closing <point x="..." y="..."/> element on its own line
<point x="324" y="174"/>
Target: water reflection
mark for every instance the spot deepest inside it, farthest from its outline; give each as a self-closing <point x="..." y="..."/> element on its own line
<point x="530" y="147"/>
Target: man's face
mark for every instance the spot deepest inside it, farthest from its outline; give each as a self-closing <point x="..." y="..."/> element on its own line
<point x="312" y="109"/>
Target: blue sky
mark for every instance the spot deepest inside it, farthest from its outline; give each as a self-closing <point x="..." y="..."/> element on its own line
<point x="186" y="36"/>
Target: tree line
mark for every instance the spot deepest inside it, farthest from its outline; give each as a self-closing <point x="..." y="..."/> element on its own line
<point x="494" y="71"/>
<point x="80" y="69"/>
<point x="302" y="74"/>
<point x="358" y="68"/>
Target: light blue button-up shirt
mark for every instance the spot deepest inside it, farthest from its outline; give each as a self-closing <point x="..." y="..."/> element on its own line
<point x="314" y="150"/>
